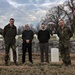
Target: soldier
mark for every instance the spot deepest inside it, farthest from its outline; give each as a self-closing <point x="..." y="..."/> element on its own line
<point x="27" y="37"/>
<point x="64" y="33"/>
<point x="9" y="35"/>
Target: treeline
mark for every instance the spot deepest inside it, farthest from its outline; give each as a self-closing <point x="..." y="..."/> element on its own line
<point x="21" y="28"/>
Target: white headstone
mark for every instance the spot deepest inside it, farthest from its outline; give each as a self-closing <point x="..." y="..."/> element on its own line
<point x="54" y="55"/>
<point x="56" y="36"/>
<point x="11" y="54"/>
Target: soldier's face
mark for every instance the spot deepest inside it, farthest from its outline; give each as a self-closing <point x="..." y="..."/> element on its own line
<point x="12" y="22"/>
<point x="61" y="23"/>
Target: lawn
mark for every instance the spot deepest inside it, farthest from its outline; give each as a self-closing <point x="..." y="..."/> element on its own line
<point x="37" y="68"/>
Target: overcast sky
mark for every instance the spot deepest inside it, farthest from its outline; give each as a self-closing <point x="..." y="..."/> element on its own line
<point x="25" y="11"/>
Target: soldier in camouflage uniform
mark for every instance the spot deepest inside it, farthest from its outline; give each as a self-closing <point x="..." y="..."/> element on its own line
<point x="9" y="34"/>
<point x="64" y="33"/>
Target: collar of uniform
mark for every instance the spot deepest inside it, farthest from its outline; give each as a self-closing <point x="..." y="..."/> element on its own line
<point x="10" y="26"/>
<point x="63" y="27"/>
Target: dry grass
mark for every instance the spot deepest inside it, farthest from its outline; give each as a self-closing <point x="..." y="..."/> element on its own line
<point x="36" y="68"/>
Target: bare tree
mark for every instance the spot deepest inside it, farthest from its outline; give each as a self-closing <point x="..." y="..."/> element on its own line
<point x="54" y="15"/>
<point x="65" y="11"/>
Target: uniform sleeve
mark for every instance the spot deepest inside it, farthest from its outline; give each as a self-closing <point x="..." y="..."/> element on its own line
<point x="4" y="31"/>
<point x="70" y="32"/>
<point x="15" y="31"/>
<point x="57" y="32"/>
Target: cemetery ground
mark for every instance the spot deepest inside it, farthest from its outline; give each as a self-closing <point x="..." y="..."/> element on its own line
<point x="37" y="68"/>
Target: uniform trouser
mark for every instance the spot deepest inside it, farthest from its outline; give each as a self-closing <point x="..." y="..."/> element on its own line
<point x="44" y="48"/>
<point x="65" y="52"/>
<point x="7" y="48"/>
<point x="26" y="46"/>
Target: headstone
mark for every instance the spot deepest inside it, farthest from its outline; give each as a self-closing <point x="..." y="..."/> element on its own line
<point x="54" y="55"/>
<point x="57" y="38"/>
<point x="11" y="54"/>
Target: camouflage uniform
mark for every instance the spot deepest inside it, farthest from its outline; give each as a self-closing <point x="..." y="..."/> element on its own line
<point x="64" y="43"/>
<point x="9" y="34"/>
